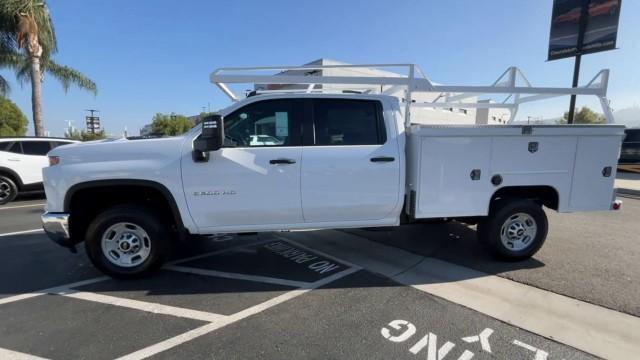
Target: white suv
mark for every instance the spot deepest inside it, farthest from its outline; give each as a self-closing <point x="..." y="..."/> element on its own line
<point x="21" y="163"/>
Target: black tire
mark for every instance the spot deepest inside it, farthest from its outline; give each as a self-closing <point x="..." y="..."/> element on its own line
<point x="8" y="190"/>
<point x="490" y="235"/>
<point x="159" y="240"/>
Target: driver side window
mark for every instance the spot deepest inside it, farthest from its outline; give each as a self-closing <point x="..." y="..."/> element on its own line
<point x="263" y="123"/>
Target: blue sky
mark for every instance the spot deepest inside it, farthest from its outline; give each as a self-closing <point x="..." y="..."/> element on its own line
<point x="151" y="56"/>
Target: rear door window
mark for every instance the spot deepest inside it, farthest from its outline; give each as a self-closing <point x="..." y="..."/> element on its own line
<point x="348" y="122"/>
<point x="15" y="148"/>
<point x="36" y="147"/>
<point x="4" y="145"/>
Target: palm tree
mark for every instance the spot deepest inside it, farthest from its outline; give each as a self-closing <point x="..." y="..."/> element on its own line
<point x="8" y="58"/>
<point x="4" y="86"/>
<point x="27" y="41"/>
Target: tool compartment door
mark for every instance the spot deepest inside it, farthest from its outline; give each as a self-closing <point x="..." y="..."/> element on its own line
<point x="593" y="185"/>
<point x="446" y="185"/>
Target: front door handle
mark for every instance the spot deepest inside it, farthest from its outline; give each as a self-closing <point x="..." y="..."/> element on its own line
<point x="282" y="161"/>
<point x="383" y="159"/>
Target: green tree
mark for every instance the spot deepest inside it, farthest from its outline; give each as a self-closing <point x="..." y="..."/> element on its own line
<point x="584" y="116"/>
<point x="202" y="116"/>
<point x="4" y="87"/>
<point x="27" y="41"/>
<point x="170" y="124"/>
<point x="82" y="135"/>
<point x="12" y="120"/>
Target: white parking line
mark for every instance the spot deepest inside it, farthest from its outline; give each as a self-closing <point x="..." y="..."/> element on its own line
<point x="237" y="276"/>
<point x="53" y="290"/>
<point x="215" y="321"/>
<point x="203" y="330"/>
<point x="6" y="354"/>
<point x="20" y="206"/>
<point x="61" y="288"/>
<point x="145" y="306"/>
<point x="22" y="232"/>
<point x="594" y="329"/>
<point x="603" y="332"/>
<point x="14" y="298"/>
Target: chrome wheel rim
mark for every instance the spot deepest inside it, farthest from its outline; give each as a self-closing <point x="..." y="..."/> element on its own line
<point x="5" y="190"/>
<point x="518" y="232"/>
<point x="126" y="244"/>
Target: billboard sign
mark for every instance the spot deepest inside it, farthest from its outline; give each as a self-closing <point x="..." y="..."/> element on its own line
<point x="600" y="28"/>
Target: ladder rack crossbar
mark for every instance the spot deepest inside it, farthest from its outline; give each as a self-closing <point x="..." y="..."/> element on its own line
<point x="452" y="96"/>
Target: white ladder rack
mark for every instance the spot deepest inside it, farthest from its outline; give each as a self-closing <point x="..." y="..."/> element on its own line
<point x="450" y="96"/>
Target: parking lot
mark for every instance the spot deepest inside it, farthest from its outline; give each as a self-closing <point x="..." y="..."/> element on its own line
<point x="422" y="291"/>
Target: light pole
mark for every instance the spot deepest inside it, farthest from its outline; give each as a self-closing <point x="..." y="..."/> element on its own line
<point x="93" y="122"/>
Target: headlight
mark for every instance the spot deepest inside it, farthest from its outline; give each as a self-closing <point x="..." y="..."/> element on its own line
<point x="54" y="160"/>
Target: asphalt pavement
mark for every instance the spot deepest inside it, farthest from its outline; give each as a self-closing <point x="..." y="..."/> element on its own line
<point x="277" y="295"/>
<point x="594" y="257"/>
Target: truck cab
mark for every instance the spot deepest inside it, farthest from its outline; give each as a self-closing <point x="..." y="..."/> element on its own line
<point x="337" y="163"/>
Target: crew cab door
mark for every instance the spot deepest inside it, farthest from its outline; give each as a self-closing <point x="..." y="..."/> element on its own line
<point x="350" y="162"/>
<point x="249" y="183"/>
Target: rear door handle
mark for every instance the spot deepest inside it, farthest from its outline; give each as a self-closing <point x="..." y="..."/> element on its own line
<point x="282" y="161"/>
<point x="383" y="159"/>
<point x="13" y="159"/>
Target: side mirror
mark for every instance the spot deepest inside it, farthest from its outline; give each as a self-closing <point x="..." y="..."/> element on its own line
<point x="211" y="139"/>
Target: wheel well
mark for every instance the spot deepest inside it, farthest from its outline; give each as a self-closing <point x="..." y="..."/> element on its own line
<point x="543" y="195"/>
<point x="86" y="201"/>
<point x="11" y="175"/>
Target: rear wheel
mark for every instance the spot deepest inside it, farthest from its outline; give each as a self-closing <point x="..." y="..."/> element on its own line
<point x="8" y="190"/>
<point x="515" y="229"/>
<point x="128" y="241"/>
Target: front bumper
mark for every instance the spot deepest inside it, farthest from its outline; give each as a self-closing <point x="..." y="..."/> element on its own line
<point x="56" y="225"/>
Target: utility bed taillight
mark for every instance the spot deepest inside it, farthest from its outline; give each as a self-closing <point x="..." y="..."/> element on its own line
<point x="54" y="160"/>
<point x="617" y="204"/>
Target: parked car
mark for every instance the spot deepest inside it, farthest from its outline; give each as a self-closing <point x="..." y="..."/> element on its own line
<point x="630" y="151"/>
<point x="607" y="7"/>
<point x="21" y="163"/>
<point x="572" y="15"/>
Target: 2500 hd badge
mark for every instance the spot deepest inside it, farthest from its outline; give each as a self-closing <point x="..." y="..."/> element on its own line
<point x="214" y="193"/>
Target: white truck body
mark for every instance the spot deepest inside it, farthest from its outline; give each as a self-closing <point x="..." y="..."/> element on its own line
<point x="569" y="159"/>
<point x="408" y="172"/>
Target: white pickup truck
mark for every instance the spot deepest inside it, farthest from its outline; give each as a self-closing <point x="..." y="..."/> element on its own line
<point x="341" y="160"/>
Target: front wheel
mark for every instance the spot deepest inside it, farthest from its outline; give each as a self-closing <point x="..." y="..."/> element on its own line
<point x="515" y="229"/>
<point x="128" y="241"/>
<point x="8" y="190"/>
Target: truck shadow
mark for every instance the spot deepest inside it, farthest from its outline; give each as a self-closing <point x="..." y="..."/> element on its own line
<point x="32" y="195"/>
<point x="43" y="264"/>
<point x="452" y="241"/>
